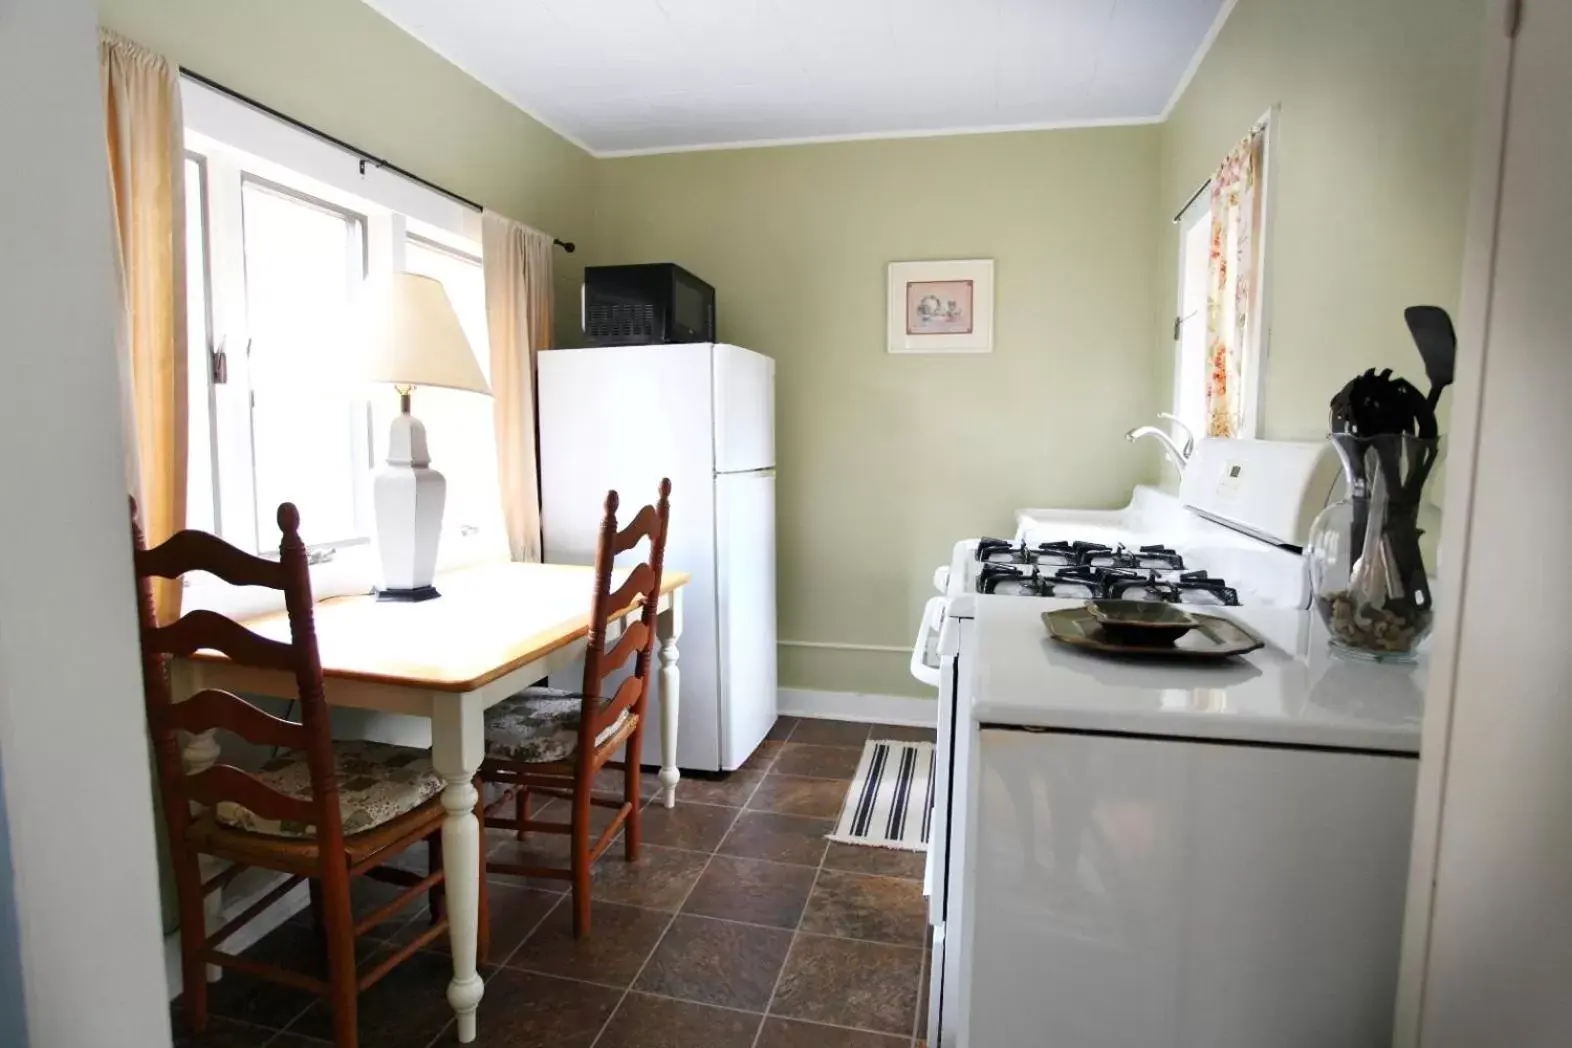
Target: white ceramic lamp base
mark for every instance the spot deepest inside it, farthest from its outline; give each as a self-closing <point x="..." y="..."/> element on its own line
<point x="408" y="496"/>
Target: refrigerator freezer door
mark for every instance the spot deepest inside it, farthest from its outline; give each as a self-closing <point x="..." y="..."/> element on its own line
<point x="745" y="598"/>
<point x="744" y="410"/>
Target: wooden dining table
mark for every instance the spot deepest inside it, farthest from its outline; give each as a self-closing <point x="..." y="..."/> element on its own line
<point x="495" y="629"/>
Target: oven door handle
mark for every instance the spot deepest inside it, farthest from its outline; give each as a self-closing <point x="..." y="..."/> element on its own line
<point x="932" y="619"/>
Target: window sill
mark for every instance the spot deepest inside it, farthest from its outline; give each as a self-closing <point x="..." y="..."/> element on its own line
<point x="351" y="571"/>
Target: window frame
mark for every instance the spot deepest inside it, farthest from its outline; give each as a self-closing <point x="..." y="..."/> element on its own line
<point x="208" y="356"/>
<point x="446" y="249"/>
<point x="1199" y="210"/>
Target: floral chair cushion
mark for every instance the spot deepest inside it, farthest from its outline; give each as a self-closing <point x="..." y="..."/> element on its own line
<point x="538" y="726"/>
<point x="377" y="783"/>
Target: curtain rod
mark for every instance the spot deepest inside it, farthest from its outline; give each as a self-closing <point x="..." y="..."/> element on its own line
<point x="365" y="157"/>
<point x="1193" y="198"/>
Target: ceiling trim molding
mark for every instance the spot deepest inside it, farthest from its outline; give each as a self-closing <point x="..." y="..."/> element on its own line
<point x="882" y="136"/>
<point x="506" y="96"/>
<point x="861" y="136"/>
<point x="1198" y="58"/>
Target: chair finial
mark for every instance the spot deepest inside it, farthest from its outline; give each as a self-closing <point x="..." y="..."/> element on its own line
<point x="665" y="487"/>
<point x="288" y="518"/>
<point x="612" y="502"/>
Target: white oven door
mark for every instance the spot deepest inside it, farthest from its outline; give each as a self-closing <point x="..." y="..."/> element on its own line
<point x="936" y="871"/>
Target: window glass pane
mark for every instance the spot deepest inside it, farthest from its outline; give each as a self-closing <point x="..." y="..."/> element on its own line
<point x="459" y="427"/>
<point x="200" y="511"/>
<point x="303" y="262"/>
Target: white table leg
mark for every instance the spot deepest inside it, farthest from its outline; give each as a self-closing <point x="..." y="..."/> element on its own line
<point x="457" y="746"/>
<point x="668" y="627"/>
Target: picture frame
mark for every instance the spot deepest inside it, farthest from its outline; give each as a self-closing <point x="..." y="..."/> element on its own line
<point x="940" y="307"/>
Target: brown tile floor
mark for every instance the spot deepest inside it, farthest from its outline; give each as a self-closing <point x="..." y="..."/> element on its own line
<point x="739" y="927"/>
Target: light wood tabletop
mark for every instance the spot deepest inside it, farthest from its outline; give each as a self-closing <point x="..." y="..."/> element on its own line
<point x="489" y="621"/>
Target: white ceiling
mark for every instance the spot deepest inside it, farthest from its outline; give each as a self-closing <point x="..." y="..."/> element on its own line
<point x="627" y="76"/>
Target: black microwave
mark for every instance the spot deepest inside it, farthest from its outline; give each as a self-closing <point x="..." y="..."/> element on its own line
<point x="644" y="304"/>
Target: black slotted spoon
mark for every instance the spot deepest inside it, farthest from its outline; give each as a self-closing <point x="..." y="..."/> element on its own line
<point x="1437" y="341"/>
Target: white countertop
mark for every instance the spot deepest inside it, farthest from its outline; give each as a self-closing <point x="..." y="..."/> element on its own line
<point x="1295" y="691"/>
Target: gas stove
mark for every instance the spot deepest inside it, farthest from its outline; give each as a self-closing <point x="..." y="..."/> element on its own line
<point x="1056" y="726"/>
<point x="1231" y="538"/>
<point x="1081" y="569"/>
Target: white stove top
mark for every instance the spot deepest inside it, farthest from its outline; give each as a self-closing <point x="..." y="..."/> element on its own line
<point x="1294" y="692"/>
<point x="1261" y="574"/>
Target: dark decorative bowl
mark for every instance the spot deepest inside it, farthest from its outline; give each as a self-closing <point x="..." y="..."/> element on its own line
<point x="1141" y="621"/>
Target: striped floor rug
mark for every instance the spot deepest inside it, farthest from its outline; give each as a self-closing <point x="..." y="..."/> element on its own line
<point x="891" y="797"/>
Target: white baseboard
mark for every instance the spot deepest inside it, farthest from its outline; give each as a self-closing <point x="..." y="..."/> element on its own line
<point x="851" y="705"/>
<point x="238" y="896"/>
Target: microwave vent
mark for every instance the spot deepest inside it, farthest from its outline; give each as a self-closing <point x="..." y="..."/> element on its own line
<point x="623" y="321"/>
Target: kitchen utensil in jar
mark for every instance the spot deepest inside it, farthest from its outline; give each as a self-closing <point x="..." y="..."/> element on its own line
<point x="1437" y="341"/>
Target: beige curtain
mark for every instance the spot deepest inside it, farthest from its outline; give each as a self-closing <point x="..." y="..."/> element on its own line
<point x="518" y="317"/>
<point x="145" y="137"/>
<point x="1232" y="283"/>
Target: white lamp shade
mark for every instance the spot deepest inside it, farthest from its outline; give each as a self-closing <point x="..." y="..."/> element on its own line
<point x="407" y="334"/>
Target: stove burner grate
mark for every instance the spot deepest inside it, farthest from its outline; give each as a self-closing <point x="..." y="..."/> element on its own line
<point x="1047" y="554"/>
<point x="1154" y="557"/>
<point x="1073" y="554"/>
<point x="1089" y="581"/>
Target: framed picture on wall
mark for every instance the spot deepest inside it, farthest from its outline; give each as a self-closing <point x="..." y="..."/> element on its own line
<point x="941" y="307"/>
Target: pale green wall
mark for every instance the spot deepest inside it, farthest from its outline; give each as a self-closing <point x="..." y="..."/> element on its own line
<point x="885" y="461"/>
<point x="1371" y="177"/>
<point x="340" y="66"/>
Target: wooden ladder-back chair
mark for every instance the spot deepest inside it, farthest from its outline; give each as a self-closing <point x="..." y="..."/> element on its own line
<point x="318" y="810"/>
<point x="554" y="742"/>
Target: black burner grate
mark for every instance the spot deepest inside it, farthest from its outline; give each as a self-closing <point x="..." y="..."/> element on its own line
<point x="1085" y="570"/>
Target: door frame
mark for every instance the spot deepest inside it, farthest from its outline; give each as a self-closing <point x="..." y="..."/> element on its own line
<point x="1479" y="255"/>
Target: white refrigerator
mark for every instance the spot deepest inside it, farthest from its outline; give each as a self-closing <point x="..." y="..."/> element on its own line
<point x="702" y="414"/>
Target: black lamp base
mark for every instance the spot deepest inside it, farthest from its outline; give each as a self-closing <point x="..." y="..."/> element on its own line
<point x="408" y="596"/>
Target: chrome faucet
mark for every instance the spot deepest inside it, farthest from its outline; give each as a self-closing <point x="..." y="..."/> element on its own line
<point x="1180" y="457"/>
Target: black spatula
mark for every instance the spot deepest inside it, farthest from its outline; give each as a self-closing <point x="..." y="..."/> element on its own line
<point x="1437" y="342"/>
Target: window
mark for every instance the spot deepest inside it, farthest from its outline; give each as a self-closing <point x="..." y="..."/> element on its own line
<point x="281" y="231"/>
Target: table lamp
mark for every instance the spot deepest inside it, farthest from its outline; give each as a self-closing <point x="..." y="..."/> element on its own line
<point x="410" y="336"/>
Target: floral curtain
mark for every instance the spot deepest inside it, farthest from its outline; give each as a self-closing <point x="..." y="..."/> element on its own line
<point x="518" y="263"/>
<point x="1232" y="278"/>
<point x="145" y="137"/>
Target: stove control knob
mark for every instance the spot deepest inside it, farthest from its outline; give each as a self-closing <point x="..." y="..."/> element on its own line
<point x="941" y="579"/>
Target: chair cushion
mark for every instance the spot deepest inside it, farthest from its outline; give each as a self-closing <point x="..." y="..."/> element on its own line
<point x="377" y="783"/>
<point x="539" y="726"/>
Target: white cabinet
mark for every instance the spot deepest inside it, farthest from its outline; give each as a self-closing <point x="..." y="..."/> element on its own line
<point x="1176" y="894"/>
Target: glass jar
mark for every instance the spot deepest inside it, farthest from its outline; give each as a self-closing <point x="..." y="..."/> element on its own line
<point x="1367" y="573"/>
